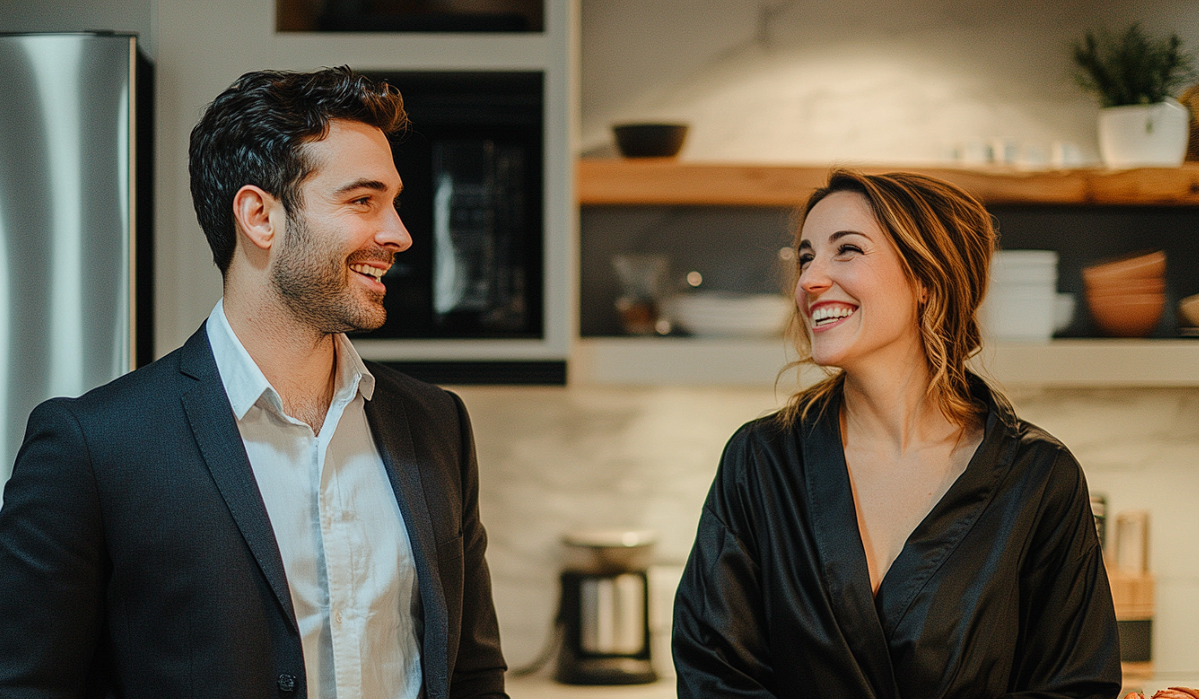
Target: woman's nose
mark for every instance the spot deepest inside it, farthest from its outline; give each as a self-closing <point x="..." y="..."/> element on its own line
<point x="813" y="279"/>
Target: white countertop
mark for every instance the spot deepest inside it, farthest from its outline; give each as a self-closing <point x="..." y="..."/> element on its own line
<point x="543" y="686"/>
<point x="1148" y="687"/>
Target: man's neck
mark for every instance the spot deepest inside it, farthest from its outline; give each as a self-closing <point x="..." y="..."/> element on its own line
<point x="299" y="362"/>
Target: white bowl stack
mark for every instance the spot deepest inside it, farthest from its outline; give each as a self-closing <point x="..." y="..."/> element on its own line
<point x="1019" y="305"/>
<point x="726" y="314"/>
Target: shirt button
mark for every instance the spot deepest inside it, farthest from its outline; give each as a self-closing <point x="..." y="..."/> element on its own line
<point x="287" y="683"/>
<point x="337" y="616"/>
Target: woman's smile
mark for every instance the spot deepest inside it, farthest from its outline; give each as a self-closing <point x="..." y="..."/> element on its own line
<point x="826" y="315"/>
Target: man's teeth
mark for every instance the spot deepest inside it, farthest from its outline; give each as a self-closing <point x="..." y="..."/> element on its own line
<point x="830" y="314"/>
<point x="375" y="272"/>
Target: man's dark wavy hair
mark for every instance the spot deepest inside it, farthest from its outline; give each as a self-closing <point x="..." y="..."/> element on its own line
<point x="253" y="133"/>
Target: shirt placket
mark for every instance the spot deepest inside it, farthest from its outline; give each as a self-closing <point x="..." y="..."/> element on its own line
<point x="336" y="530"/>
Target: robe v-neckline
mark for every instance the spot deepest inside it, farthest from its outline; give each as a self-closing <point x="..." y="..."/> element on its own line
<point x="869" y="620"/>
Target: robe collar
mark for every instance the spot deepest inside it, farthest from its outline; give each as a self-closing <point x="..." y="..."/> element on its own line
<point x="868" y="621"/>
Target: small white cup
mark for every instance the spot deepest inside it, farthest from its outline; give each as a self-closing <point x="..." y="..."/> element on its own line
<point x="1064" y="154"/>
<point x="1004" y="151"/>
<point x="1063" y="311"/>
<point x="975" y="152"/>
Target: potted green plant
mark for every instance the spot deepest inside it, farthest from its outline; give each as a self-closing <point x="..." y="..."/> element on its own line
<point x="1134" y="75"/>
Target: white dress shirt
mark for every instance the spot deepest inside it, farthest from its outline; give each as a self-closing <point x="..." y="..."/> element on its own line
<point x="338" y="525"/>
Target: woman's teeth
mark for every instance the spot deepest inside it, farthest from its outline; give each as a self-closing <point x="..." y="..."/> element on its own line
<point x="830" y="314"/>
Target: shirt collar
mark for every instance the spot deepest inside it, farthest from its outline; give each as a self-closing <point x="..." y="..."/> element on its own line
<point x="245" y="383"/>
<point x="351" y="370"/>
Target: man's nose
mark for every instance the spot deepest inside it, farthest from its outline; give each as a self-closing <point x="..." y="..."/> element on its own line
<point x="393" y="234"/>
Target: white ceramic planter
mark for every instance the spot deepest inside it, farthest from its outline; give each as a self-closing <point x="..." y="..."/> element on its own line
<point x="1144" y="135"/>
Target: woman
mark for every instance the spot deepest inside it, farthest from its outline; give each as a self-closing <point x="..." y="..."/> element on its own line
<point x="895" y="531"/>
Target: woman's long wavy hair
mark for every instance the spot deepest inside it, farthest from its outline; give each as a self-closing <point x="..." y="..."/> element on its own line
<point x="945" y="239"/>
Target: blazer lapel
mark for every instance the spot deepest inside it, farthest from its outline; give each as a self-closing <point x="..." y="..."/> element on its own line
<point x="393" y="436"/>
<point x="842" y="556"/>
<point x="215" y="429"/>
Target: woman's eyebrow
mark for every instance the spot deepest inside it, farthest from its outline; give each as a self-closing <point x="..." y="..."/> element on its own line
<point x="806" y="244"/>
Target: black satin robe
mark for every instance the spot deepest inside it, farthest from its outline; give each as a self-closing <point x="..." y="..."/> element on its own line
<point x="1000" y="591"/>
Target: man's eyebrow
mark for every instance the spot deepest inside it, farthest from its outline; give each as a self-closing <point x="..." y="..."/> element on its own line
<point x="375" y="185"/>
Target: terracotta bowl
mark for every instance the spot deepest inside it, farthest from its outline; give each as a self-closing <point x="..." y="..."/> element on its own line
<point x="1188" y="308"/>
<point x="1147" y="265"/>
<point x="1134" y="315"/>
<point x="1127" y="287"/>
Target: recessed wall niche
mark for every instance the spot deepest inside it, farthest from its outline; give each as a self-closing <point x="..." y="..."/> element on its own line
<point x="472" y="16"/>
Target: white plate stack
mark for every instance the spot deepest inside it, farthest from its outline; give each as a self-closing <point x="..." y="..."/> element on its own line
<point x="726" y="314"/>
<point x="1020" y="302"/>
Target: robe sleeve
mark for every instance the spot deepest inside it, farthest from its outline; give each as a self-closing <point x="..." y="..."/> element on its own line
<point x="718" y="643"/>
<point x="1069" y="644"/>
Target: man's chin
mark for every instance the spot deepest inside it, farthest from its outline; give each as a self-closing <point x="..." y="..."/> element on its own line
<point x="363" y="319"/>
<point x="373" y="324"/>
<point x="370" y="318"/>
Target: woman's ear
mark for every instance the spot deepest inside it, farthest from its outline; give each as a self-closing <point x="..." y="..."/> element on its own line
<point x="258" y="215"/>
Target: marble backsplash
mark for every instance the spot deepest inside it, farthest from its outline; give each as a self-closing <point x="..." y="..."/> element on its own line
<point x="556" y="459"/>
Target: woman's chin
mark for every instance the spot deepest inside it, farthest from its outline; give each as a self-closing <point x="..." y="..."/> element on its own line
<point x="826" y="362"/>
<point x="826" y="356"/>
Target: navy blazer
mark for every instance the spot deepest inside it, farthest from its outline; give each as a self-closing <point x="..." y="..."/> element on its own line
<point x="137" y="558"/>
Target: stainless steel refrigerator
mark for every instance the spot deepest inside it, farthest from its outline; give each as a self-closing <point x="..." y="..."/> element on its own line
<point x="75" y="212"/>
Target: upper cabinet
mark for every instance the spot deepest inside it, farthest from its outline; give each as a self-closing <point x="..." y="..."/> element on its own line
<point x="483" y="294"/>
<point x="204" y="47"/>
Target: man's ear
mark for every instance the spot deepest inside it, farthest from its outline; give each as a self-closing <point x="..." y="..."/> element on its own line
<point x="258" y="215"/>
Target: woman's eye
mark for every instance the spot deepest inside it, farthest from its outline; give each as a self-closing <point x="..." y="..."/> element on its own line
<point x="804" y="259"/>
<point x="847" y="248"/>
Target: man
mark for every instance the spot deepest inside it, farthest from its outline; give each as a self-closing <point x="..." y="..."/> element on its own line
<point x="260" y="513"/>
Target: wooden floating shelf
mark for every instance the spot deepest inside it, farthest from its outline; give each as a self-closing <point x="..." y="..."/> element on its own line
<point x="671" y="182"/>
<point x="1074" y="363"/>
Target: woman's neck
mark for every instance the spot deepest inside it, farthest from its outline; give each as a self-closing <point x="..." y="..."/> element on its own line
<point x="894" y="410"/>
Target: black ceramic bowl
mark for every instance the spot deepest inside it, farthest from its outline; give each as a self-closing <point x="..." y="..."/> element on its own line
<point x="650" y="140"/>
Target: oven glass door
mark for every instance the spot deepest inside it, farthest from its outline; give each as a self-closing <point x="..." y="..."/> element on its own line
<point x="471" y="164"/>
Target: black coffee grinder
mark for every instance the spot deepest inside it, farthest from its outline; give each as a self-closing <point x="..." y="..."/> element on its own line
<point x="605" y="608"/>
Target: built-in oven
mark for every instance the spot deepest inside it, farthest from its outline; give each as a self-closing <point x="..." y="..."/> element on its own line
<point x="472" y="164"/>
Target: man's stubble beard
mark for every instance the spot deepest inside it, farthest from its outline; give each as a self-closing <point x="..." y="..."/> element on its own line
<point x="312" y="280"/>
